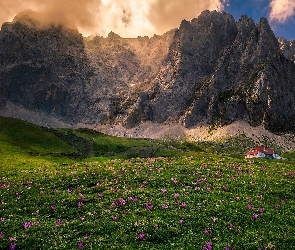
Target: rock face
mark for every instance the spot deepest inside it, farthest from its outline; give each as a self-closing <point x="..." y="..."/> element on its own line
<point x="211" y="69"/>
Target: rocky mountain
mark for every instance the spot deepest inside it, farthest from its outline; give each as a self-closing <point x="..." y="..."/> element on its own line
<point x="288" y="48"/>
<point x="211" y="69"/>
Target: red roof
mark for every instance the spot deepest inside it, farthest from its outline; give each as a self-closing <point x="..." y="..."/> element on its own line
<point x="256" y="150"/>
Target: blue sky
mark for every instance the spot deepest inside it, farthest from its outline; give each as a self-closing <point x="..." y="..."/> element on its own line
<point x="262" y="8"/>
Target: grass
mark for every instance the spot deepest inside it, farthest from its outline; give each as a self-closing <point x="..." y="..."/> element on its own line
<point x="194" y="200"/>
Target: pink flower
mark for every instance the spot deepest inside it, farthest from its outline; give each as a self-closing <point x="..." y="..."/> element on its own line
<point x="255" y="216"/>
<point x="237" y="198"/>
<point x="86" y="236"/>
<point x="276" y="207"/>
<point x="164" y="191"/>
<point x="206" y="231"/>
<point x="183" y="204"/>
<point x="80" y="244"/>
<point x="180" y="222"/>
<point x="58" y="223"/>
<point x="114" y="218"/>
<point x="261" y="210"/>
<point x="1" y="235"/>
<point x="164" y="206"/>
<point x="176" y="195"/>
<point x="12" y="246"/>
<point x="231" y="225"/>
<point x="224" y="187"/>
<point x="80" y="204"/>
<point x="141" y="236"/>
<point x="283" y="201"/>
<point x="214" y="219"/>
<point x="52" y="207"/>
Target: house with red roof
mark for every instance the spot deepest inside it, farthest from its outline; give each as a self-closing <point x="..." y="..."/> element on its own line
<point x="262" y="152"/>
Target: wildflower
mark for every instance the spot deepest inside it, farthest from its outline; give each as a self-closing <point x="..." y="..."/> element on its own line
<point x="214" y="219"/>
<point x="206" y="231"/>
<point x="141" y="236"/>
<point x="58" y="223"/>
<point x="164" y="191"/>
<point x="12" y="246"/>
<point x="231" y="225"/>
<point x="164" y="206"/>
<point x="276" y="207"/>
<point x="237" y="198"/>
<point x="69" y="190"/>
<point x="255" y="216"/>
<point x="80" y="204"/>
<point x="151" y="207"/>
<point x="183" y="204"/>
<point x="209" y="245"/>
<point x="114" y="218"/>
<point x="86" y="236"/>
<point x="1" y="235"/>
<point x="27" y="224"/>
<point x="52" y="207"/>
<point x="156" y="227"/>
<point x="99" y="195"/>
<point x="80" y="244"/>
<point x="283" y="201"/>
<point x="261" y="210"/>
<point x="82" y="218"/>
<point x="135" y="223"/>
<point x="2" y="219"/>
<point x="224" y="187"/>
<point x="249" y="206"/>
<point x="180" y="222"/>
<point x="176" y="195"/>
<point x="98" y="184"/>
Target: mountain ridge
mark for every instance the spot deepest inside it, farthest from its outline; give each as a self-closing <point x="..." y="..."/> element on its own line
<point x="211" y="69"/>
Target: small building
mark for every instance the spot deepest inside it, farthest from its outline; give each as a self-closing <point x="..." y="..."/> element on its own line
<point x="262" y="152"/>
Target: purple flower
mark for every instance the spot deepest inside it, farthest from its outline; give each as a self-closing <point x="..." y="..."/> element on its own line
<point x="12" y="246"/>
<point x="255" y="216"/>
<point x="1" y="235"/>
<point x="237" y="198"/>
<point x="99" y="195"/>
<point x="2" y="219"/>
<point x="231" y="225"/>
<point x="224" y="187"/>
<point x="164" y="206"/>
<point x="206" y="231"/>
<point x="283" y="201"/>
<point x="151" y="207"/>
<point x="86" y="236"/>
<point x="58" y="223"/>
<point x="52" y="207"/>
<point x="114" y="218"/>
<point x="156" y="227"/>
<point x="214" y="219"/>
<point x="183" y="204"/>
<point x="276" y="207"/>
<point x="209" y="245"/>
<point x="180" y="222"/>
<point x="164" y="191"/>
<point x="27" y="224"/>
<point x="141" y="236"/>
<point x="261" y="210"/>
<point x="80" y="244"/>
<point x="176" y="195"/>
<point x="80" y="204"/>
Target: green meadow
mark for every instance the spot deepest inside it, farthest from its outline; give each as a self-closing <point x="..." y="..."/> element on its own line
<point x="81" y="189"/>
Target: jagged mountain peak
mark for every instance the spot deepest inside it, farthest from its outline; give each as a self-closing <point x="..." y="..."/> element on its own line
<point x="211" y="69"/>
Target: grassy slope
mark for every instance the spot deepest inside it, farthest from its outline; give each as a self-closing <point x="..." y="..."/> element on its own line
<point x="35" y="174"/>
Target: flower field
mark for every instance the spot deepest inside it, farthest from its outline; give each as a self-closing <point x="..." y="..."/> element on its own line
<point x="197" y="202"/>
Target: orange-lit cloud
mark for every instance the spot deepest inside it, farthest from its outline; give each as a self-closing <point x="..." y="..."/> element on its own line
<point x="128" y="18"/>
<point x="281" y="10"/>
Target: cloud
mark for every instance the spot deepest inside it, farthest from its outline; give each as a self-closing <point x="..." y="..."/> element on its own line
<point x="281" y="10"/>
<point x="128" y="18"/>
<point x="167" y="14"/>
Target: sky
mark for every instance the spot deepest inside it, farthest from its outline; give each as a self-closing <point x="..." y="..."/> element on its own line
<point x="132" y="18"/>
